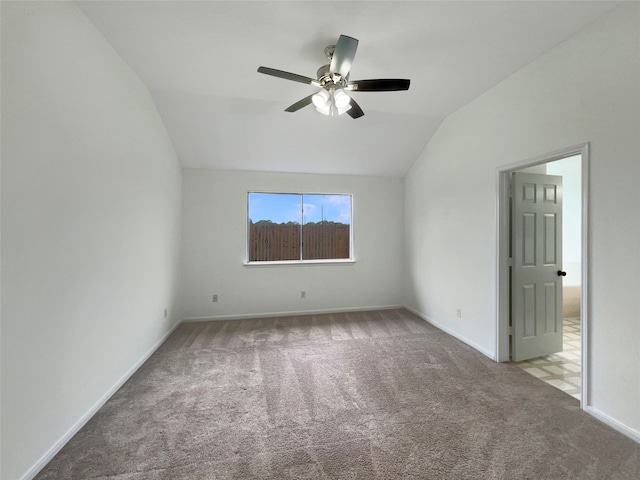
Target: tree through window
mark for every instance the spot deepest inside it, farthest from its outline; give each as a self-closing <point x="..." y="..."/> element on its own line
<point x="298" y="227"/>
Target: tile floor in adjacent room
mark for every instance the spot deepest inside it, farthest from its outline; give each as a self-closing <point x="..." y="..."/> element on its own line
<point x="563" y="369"/>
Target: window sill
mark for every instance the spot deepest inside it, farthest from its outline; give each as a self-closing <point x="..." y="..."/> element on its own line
<point x="346" y="261"/>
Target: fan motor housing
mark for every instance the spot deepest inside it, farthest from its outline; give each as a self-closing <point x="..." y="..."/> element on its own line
<point x="328" y="79"/>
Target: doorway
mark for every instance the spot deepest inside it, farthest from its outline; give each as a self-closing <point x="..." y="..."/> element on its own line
<point x="567" y="369"/>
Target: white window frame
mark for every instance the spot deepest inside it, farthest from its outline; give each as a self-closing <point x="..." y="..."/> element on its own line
<point x="324" y="261"/>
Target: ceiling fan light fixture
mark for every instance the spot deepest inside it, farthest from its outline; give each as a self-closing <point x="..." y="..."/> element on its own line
<point x="326" y="110"/>
<point x="342" y="110"/>
<point x="331" y="102"/>
<point x="341" y="99"/>
<point x="332" y="110"/>
<point x="321" y="100"/>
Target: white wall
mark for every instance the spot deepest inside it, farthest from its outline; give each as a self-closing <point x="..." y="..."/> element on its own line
<point x="0" y="268"/>
<point x="214" y="247"/>
<point x="585" y="90"/>
<point x="90" y="225"/>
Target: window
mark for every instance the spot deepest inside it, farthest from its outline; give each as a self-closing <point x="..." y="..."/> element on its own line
<point x="299" y="227"/>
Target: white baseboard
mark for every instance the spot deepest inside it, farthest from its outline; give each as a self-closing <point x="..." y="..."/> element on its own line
<point x="613" y="423"/>
<point x="289" y="313"/>
<point x="46" y="458"/>
<point x="484" y="351"/>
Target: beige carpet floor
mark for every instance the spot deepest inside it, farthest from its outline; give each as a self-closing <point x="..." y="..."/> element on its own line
<point x="368" y="395"/>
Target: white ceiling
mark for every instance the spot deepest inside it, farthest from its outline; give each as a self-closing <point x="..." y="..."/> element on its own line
<point x="199" y="61"/>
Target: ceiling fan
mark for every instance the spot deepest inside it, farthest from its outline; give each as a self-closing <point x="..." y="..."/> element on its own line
<point x="333" y="79"/>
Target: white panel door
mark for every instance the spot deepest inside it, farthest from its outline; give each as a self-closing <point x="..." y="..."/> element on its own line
<point x="536" y="267"/>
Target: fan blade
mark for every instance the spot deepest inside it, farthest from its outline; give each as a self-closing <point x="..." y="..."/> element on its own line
<point x="381" y="85"/>
<point x="286" y="75"/>
<point x="300" y="104"/>
<point x="355" y="111"/>
<point x="343" y="55"/>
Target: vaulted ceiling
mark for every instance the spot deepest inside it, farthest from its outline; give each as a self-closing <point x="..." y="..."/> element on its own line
<point x="199" y="61"/>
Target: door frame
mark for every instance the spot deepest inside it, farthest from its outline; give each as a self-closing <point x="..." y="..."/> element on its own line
<point x="503" y="225"/>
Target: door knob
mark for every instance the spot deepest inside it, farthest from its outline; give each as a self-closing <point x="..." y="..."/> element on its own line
<point x="561" y="273"/>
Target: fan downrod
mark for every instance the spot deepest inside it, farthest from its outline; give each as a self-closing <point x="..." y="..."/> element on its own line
<point x="328" y="51"/>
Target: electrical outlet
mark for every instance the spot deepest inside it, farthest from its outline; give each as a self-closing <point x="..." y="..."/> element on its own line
<point x="214" y="298"/>
<point x="303" y="294"/>
<point x="459" y="312"/>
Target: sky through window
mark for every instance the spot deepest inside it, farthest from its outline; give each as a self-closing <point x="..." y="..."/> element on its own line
<point x="311" y="208"/>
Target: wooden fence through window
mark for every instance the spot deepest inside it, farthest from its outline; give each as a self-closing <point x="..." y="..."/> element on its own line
<point x="272" y="243"/>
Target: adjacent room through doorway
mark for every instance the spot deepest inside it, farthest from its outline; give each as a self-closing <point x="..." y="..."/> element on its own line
<point x="560" y="360"/>
<point x="563" y="369"/>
